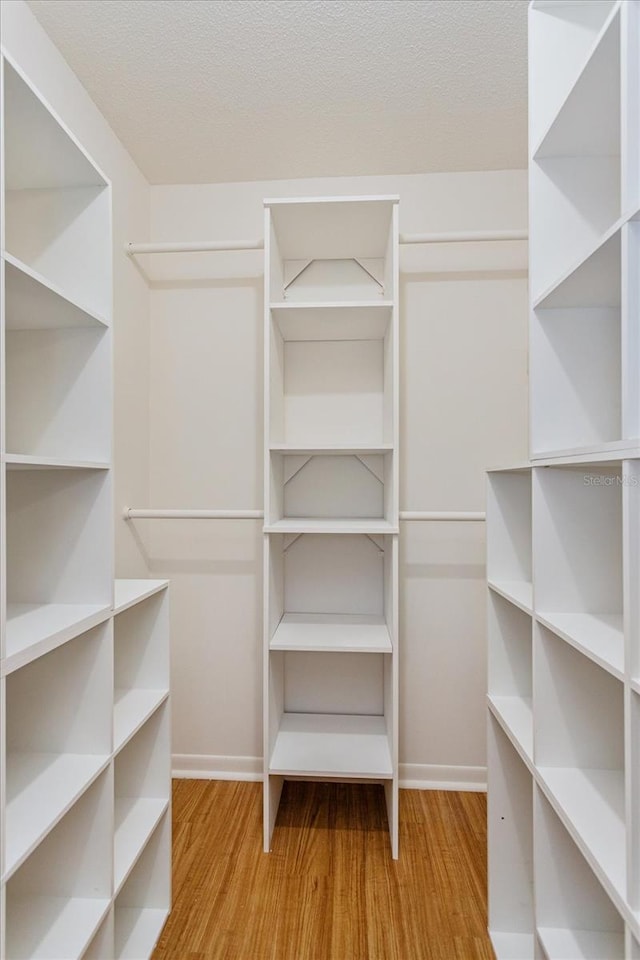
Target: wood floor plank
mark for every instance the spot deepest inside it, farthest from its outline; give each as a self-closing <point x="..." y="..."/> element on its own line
<point x="329" y="889"/>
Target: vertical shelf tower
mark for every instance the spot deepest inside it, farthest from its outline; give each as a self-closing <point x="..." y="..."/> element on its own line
<point x="84" y="814"/>
<point x="563" y="531"/>
<point x="331" y="496"/>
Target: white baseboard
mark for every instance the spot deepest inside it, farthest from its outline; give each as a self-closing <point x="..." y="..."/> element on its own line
<point x="430" y="776"/>
<point x="194" y="766"/>
<point x="413" y="776"/>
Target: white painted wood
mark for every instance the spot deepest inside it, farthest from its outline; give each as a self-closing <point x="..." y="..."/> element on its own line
<point x="560" y="944"/>
<point x="598" y="636"/>
<point x="509" y="551"/>
<point x="333" y="392"/>
<point x="581" y="200"/>
<point x="562" y="38"/>
<point x="58" y="898"/>
<point x="127" y="593"/>
<point x="510" y="831"/>
<point x="57" y="390"/>
<point x="326" y="632"/>
<point x="371" y="527"/>
<point x="59" y="774"/>
<point x="142" y="904"/>
<point x="569" y="898"/>
<point x="331" y="472"/>
<point x="576" y="393"/>
<point x="45" y="564"/>
<point x="35" y="629"/>
<point x="334" y="683"/>
<point x="330" y="746"/>
<point x="131" y="709"/>
<point x="512" y="946"/>
<point x="332" y="321"/>
<point x="578" y="540"/>
<point x="596" y="92"/>
<point x="39" y="151"/>
<point x="33" y="303"/>
<point x="578" y="734"/>
<point x="515" y="715"/>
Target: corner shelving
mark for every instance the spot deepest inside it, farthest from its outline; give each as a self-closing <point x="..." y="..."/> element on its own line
<point x="331" y="495"/>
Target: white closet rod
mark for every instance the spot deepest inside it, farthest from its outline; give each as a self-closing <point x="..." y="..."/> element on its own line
<point x="205" y="246"/>
<point x="132" y="513"/>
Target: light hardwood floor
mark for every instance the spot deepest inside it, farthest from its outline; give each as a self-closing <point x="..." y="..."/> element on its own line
<point x="329" y="889"/>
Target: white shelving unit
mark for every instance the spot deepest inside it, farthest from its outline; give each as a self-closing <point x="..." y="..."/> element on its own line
<point x="331" y="495"/>
<point x="563" y="531"/>
<point x="84" y="724"/>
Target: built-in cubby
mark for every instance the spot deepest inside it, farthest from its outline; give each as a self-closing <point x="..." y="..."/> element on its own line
<point x="58" y="737"/>
<point x="57" y="204"/>
<point x="578" y="557"/>
<point x="510" y="670"/>
<point x="575" y="918"/>
<point x="142" y="781"/>
<point x="141" y="655"/>
<point x="331" y="495"/>
<point x="510" y="832"/>
<point x="579" y="751"/>
<point x="142" y="904"/>
<point x="509" y="552"/>
<point x="60" y="895"/>
<point x="331" y="376"/>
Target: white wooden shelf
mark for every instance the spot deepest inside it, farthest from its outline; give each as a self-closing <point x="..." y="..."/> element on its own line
<point x="41" y="789"/>
<point x="596" y="92"/>
<point x="131" y="709"/>
<point x="322" y="632"/>
<point x="515" y="716"/>
<point x="33" y="629"/>
<point x="593" y="280"/>
<point x="590" y="803"/>
<point x="138" y="930"/>
<point x="599" y="636"/>
<point x="563" y="944"/>
<point x="513" y="946"/>
<point x="322" y="745"/>
<point x="44" y="927"/>
<point x="336" y="526"/>
<point x="19" y="461"/>
<point x="135" y="820"/>
<point x="128" y="593"/>
<point x="34" y="303"/>
<point x="354" y="320"/>
<point x="344" y="449"/>
<point x="518" y="592"/>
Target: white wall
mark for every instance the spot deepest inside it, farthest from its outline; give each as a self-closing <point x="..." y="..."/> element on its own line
<point x="463" y="408"/>
<point x="29" y="47"/>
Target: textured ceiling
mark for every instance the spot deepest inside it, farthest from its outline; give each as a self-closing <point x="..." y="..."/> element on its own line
<point x="223" y="90"/>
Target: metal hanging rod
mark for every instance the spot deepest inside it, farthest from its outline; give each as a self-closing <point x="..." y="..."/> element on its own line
<point x="132" y="513"/>
<point x="221" y="246"/>
<point x="464" y="236"/>
<point x="194" y="246"/>
<point x="444" y="515"/>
